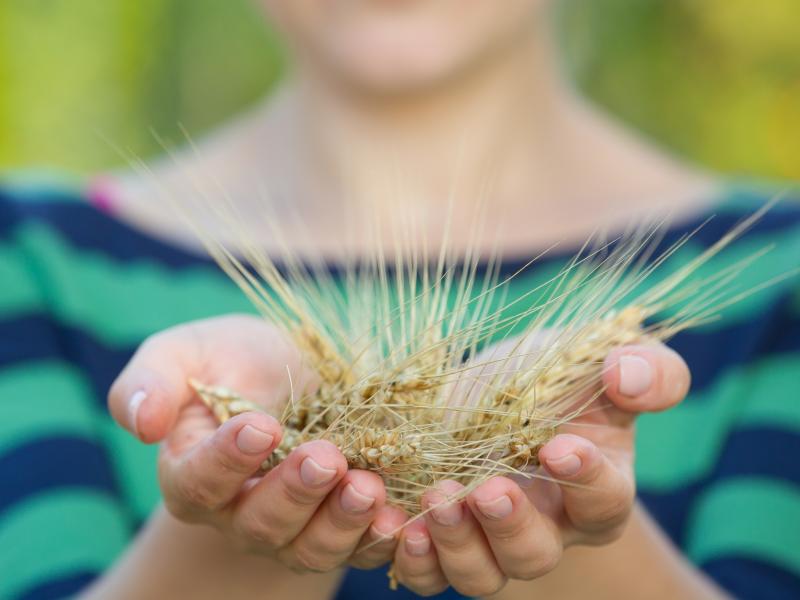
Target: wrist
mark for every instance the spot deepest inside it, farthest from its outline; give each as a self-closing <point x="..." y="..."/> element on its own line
<point x="170" y="558"/>
<point x="605" y="571"/>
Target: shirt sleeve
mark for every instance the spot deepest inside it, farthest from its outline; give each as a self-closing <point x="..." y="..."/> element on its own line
<point x="62" y="519"/>
<point x="745" y="526"/>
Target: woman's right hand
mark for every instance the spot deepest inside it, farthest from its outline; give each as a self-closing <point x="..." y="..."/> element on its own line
<point x="310" y="512"/>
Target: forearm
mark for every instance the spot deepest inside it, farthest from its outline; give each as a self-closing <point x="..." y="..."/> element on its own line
<point x="170" y="559"/>
<point x="643" y="563"/>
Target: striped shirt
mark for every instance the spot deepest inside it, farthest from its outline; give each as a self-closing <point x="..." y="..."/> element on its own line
<point x="80" y="290"/>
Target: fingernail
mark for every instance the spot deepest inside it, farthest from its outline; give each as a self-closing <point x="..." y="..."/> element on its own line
<point x="566" y="465"/>
<point x="315" y="475"/>
<point x="635" y="375"/>
<point x="445" y="512"/>
<point x="354" y="501"/>
<point x="380" y="535"/>
<point x="253" y="441"/>
<point x="133" y="410"/>
<point x="418" y="545"/>
<point x="499" y="508"/>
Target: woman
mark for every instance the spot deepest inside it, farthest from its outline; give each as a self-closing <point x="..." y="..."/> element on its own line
<point x="395" y="101"/>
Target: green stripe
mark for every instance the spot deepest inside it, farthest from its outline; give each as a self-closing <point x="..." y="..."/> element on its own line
<point x="20" y="292"/>
<point x="119" y="303"/>
<point x="782" y="259"/>
<point x="681" y="445"/>
<point x="123" y="302"/>
<point x="745" y="195"/>
<point x="56" y="534"/>
<point x="753" y="517"/>
<point x="49" y="398"/>
<point x="44" y="399"/>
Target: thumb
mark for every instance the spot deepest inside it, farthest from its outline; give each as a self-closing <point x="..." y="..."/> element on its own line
<point x="147" y="396"/>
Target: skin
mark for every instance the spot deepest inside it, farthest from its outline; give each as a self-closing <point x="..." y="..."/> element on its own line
<point x="310" y="512"/>
<point x="458" y="94"/>
<point x="318" y="518"/>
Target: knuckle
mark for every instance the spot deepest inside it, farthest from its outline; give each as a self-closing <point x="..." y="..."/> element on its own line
<point x="222" y="461"/>
<point x="315" y="561"/>
<point x="256" y="530"/>
<point x="362" y="563"/>
<point x="606" y="536"/>
<point x="326" y="544"/>
<point x="535" y="567"/>
<point x="418" y="569"/>
<point x="613" y="511"/>
<point x="196" y="494"/>
<point x="180" y="510"/>
<point x="292" y="564"/>
<point x="480" y="586"/>
<point x="300" y="497"/>
<point x="506" y="531"/>
<point x="347" y="524"/>
<point x="459" y="542"/>
<point x="428" y="584"/>
<point x="430" y="589"/>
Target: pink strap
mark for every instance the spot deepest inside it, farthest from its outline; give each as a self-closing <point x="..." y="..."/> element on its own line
<point x="101" y="193"/>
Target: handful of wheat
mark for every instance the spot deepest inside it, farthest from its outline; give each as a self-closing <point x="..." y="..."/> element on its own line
<point x="402" y="384"/>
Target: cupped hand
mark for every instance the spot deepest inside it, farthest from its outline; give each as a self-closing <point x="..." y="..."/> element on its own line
<point x="310" y="512"/>
<point x="519" y="529"/>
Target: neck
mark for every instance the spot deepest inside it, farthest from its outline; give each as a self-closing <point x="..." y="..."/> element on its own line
<point x="510" y="128"/>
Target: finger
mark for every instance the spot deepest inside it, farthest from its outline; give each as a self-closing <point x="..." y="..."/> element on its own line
<point x="525" y="544"/>
<point x="464" y="554"/>
<point x="146" y="397"/>
<point x="277" y="509"/>
<point x="416" y="564"/>
<point x="597" y="494"/>
<point x="377" y="545"/>
<point x="645" y="378"/>
<point x="336" y="528"/>
<point x="211" y="474"/>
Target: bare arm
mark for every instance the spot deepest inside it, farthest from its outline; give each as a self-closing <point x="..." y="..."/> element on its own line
<point x="171" y="559"/>
<point x="642" y="563"/>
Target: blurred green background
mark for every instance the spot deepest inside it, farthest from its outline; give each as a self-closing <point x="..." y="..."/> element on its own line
<point x="716" y="80"/>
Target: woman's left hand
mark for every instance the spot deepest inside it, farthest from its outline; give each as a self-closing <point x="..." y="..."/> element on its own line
<point x="505" y="530"/>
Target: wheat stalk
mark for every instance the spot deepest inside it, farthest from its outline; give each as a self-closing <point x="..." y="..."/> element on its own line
<point x="387" y="343"/>
<point x="387" y="340"/>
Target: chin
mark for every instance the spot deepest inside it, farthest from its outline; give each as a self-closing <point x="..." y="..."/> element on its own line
<point x="389" y="72"/>
<point x="397" y="58"/>
<point x="394" y="46"/>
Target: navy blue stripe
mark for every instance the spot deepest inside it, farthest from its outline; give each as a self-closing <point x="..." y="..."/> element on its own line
<point x="87" y="228"/>
<point x="39" y="337"/>
<point x="766" y="333"/>
<point x="52" y="463"/>
<point x="766" y="452"/>
<point x="61" y="587"/>
<point x="750" y="579"/>
<point x="761" y="452"/>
